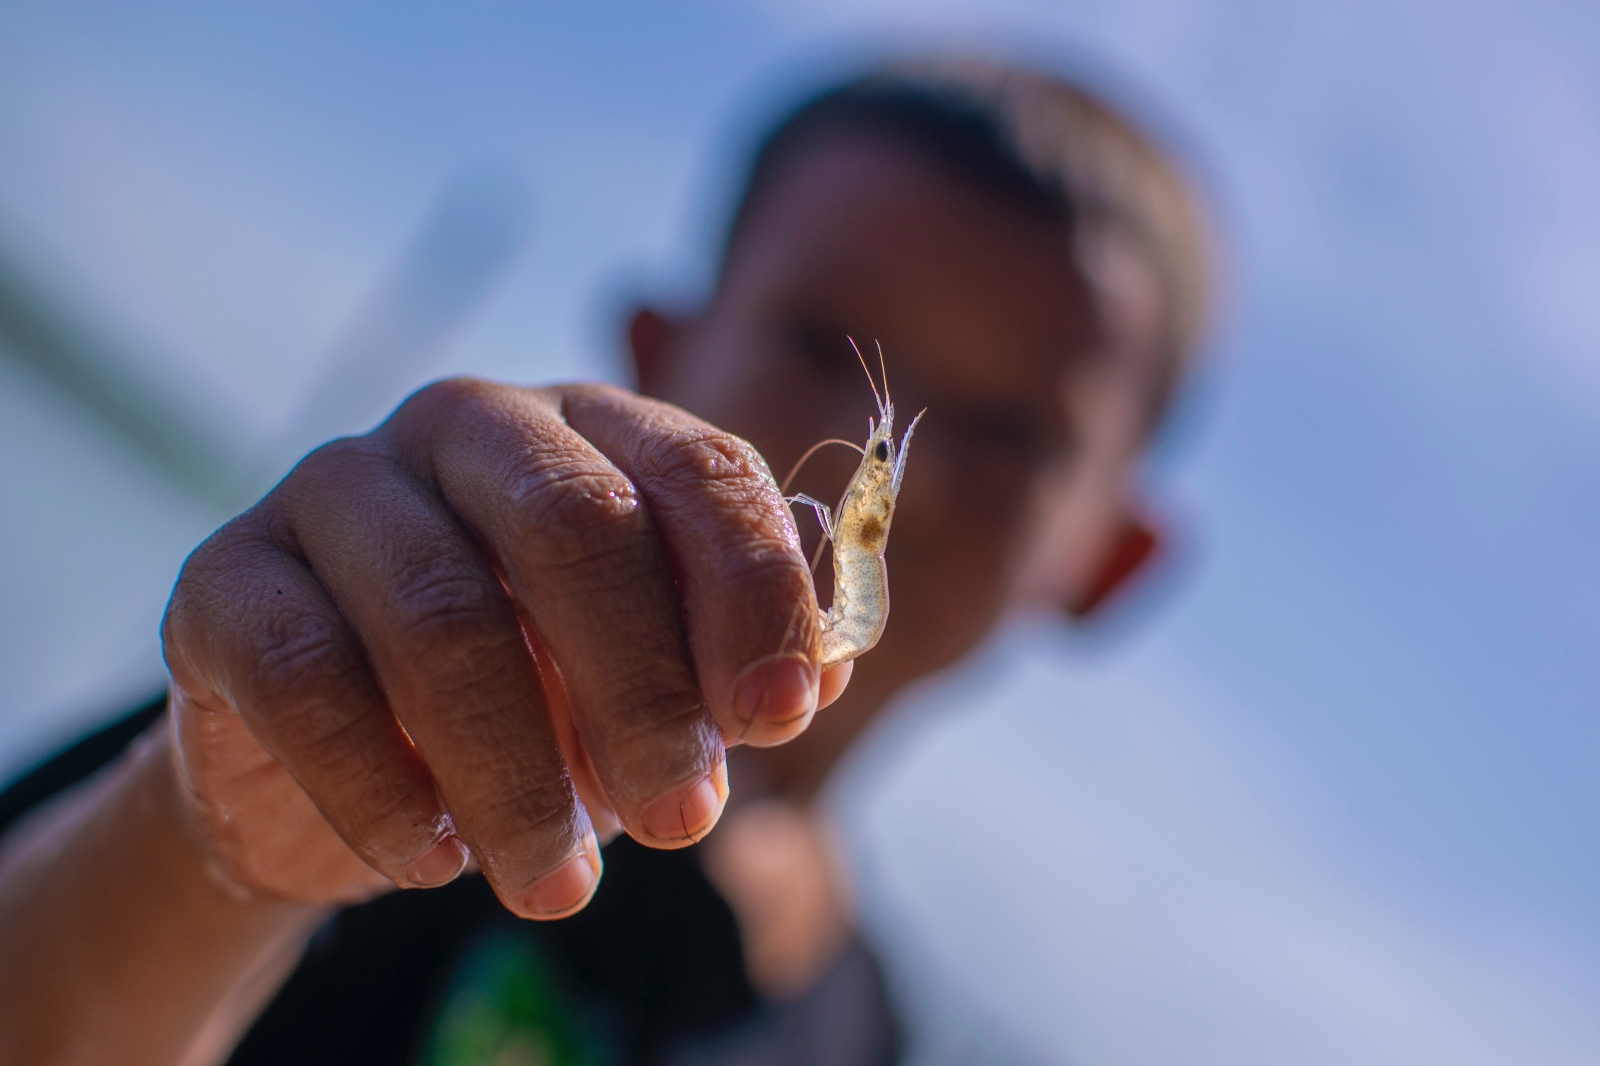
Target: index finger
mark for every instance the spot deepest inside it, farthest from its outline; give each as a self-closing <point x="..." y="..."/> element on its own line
<point x="749" y="604"/>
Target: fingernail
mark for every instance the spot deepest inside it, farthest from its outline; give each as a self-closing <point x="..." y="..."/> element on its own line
<point x="776" y="690"/>
<point x="688" y="812"/>
<point x="440" y="865"/>
<point x="567" y="887"/>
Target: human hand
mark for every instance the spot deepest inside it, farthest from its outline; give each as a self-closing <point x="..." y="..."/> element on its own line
<point x="502" y="621"/>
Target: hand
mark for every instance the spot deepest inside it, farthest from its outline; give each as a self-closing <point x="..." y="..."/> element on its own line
<point x="503" y="620"/>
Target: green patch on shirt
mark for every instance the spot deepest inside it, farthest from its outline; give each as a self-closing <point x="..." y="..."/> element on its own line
<point x="505" y="1008"/>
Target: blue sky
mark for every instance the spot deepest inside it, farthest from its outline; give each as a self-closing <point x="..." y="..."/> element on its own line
<point x="1386" y="609"/>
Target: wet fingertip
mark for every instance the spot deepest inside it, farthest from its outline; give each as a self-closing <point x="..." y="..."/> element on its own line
<point x="772" y="734"/>
<point x="833" y="682"/>
<point x="775" y="692"/>
<point x="568" y="888"/>
<point x="439" y="865"/>
<point x="687" y="813"/>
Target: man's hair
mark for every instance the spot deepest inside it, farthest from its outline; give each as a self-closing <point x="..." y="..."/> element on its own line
<point x="956" y="130"/>
<point x="1031" y="140"/>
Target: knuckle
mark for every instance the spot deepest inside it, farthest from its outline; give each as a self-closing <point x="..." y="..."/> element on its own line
<point x="663" y="738"/>
<point x="224" y="572"/>
<point x="593" y="392"/>
<point x="413" y="429"/>
<point x="325" y="481"/>
<point x="225" y="552"/>
<point x="542" y="808"/>
<point x="437" y="600"/>
<point x="443" y="395"/>
<point x="645" y="708"/>
<point x="693" y="459"/>
<point x="303" y="685"/>
<point x="448" y="621"/>
<point x="579" y="511"/>
<point x="768" y="562"/>
<point x="392" y="806"/>
<point x="299" y="653"/>
<point x="325" y="738"/>
<point x="326" y="463"/>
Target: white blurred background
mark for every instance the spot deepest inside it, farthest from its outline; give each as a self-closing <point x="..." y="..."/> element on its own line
<point x="1327" y="793"/>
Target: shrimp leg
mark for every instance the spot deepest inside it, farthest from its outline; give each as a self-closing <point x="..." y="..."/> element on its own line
<point x="824" y="515"/>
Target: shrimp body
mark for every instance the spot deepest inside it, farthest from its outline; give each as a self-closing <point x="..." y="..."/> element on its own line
<point x="859" y="531"/>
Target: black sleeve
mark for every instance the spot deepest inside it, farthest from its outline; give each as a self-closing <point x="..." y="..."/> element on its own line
<point x="66" y="769"/>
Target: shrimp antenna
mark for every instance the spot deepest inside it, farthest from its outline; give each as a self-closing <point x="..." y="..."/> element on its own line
<point x="884" y="371"/>
<point x="863" y="360"/>
<point x="784" y="488"/>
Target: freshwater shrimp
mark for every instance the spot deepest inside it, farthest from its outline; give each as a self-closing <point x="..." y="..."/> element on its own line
<point x="858" y="529"/>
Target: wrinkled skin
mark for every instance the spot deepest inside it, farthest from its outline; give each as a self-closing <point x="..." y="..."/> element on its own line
<point x="511" y="621"/>
<point x="355" y="699"/>
<point x="365" y="634"/>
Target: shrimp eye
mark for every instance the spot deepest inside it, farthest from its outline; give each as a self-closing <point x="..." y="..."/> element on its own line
<point x="881" y="452"/>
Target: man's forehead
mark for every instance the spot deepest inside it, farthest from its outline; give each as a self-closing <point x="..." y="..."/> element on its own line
<point x="888" y="243"/>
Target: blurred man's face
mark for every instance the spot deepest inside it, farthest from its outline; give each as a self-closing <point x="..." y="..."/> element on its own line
<point x="984" y="320"/>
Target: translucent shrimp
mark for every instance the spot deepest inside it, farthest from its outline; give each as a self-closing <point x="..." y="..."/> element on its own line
<point x="858" y="529"/>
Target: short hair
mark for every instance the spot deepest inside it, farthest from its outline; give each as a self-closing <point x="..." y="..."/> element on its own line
<point x="956" y="130"/>
<point x="1032" y="140"/>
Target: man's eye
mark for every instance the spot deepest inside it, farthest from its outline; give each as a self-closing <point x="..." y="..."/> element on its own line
<point x="1010" y="431"/>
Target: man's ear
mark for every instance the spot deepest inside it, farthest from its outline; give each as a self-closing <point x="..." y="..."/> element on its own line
<point x="652" y="337"/>
<point x="1126" y="554"/>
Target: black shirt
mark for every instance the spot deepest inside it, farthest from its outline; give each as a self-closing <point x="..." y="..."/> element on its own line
<point x="652" y="971"/>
